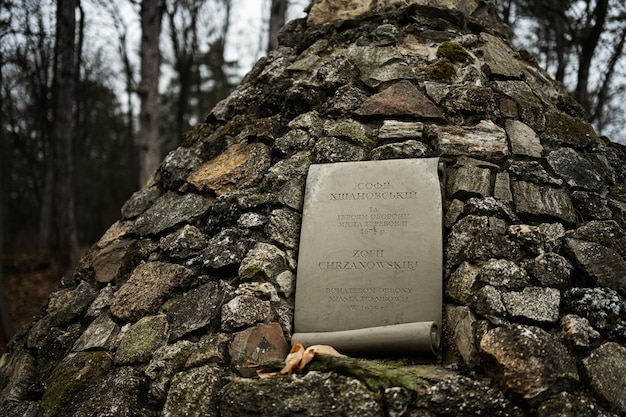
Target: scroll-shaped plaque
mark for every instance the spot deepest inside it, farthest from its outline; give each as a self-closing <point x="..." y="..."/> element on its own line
<point x="370" y="260"/>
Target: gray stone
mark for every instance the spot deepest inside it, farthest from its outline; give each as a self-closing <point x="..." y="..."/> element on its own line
<point x="292" y="193"/>
<point x="212" y="348"/>
<point x="534" y="303"/>
<point x="397" y="400"/>
<point x="462" y="322"/>
<point x="487" y="301"/>
<point x="329" y="149"/>
<point x="286" y="169"/>
<point x="310" y="122"/>
<point x="286" y="281"/>
<point x="350" y="130"/>
<point x="227" y="248"/>
<point x="499" y="59"/>
<point x="537" y="201"/>
<point x="532" y="171"/>
<point x="528" y="361"/>
<point x="194" y="309"/>
<point x="502" y="187"/>
<point x="469" y="181"/>
<point x="576" y="404"/>
<point x="283" y="227"/>
<point x="262" y="290"/>
<point x="21" y="409"/>
<point x="577" y="331"/>
<point x="189" y="398"/>
<point x="576" y="170"/>
<point x="603" y="307"/>
<point x="524" y="140"/>
<point x="100" y="334"/>
<point x="147" y="287"/>
<point x="392" y="130"/>
<point x="480" y="399"/>
<point x="167" y="361"/>
<point x="295" y="140"/>
<point x="606" y="367"/>
<point x="17" y="374"/>
<point x="138" y="343"/>
<point x="251" y="220"/>
<point x="472" y="239"/>
<point x="460" y="285"/>
<point x="244" y="310"/>
<point x="491" y="207"/>
<point x="591" y="206"/>
<point x="453" y="213"/>
<point x="529" y="106"/>
<point x="547" y="237"/>
<point x="263" y="262"/>
<point x="385" y="34"/>
<point x="140" y="201"/>
<point x="605" y="266"/>
<point x="436" y="91"/>
<point x="102" y="301"/>
<point x="184" y="243"/>
<point x="118" y="393"/>
<point x="606" y="233"/>
<point x="177" y="165"/>
<point x="408" y="149"/>
<point x="257" y="345"/>
<point x="313" y="394"/>
<point x="503" y="274"/>
<point x="170" y="210"/>
<point x="550" y="269"/>
<point x="485" y="140"/>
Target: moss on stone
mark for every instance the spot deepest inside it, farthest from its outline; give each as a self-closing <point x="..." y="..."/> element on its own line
<point x="562" y="129"/>
<point x="71" y="376"/>
<point x="452" y="51"/>
<point x="442" y="70"/>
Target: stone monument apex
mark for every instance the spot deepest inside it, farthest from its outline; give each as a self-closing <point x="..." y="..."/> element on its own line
<point x="395" y="180"/>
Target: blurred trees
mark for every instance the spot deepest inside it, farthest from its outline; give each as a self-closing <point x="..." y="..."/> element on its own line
<point x="581" y="43"/>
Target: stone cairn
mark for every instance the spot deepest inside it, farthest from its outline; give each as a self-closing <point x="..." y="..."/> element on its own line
<point x="196" y="281"/>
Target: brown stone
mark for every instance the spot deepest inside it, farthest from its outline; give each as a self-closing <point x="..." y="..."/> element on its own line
<point x="239" y="166"/>
<point x="483" y="140"/>
<point x="146" y="289"/>
<point x="109" y="261"/>
<point x="257" y="345"/>
<point x="401" y="99"/>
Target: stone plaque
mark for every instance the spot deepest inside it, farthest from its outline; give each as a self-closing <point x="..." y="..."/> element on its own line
<point x="370" y="259"/>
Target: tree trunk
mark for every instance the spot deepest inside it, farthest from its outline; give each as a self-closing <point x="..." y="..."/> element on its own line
<point x="277" y="20"/>
<point x="149" y="152"/>
<point x="67" y="242"/>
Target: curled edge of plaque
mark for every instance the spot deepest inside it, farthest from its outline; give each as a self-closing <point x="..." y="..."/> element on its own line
<point x="419" y="338"/>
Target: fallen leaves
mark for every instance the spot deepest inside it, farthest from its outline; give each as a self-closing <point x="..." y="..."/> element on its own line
<point x="299" y="357"/>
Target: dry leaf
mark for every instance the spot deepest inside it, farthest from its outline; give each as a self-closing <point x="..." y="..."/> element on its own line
<point x="298" y="358"/>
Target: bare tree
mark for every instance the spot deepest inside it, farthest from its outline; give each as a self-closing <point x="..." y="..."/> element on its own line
<point x="278" y="12"/>
<point x="582" y="44"/>
<point x="149" y="151"/>
<point x="67" y="241"/>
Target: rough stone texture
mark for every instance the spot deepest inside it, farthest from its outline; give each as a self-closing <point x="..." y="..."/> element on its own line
<point x="528" y="361"/>
<point x="194" y="393"/>
<point x="485" y="140"/>
<point x="534" y="201"/>
<point x="194" y="309"/>
<point x="257" y="345"/>
<point x="314" y="394"/>
<point x="606" y="367"/>
<point x="240" y="166"/>
<point x="534" y="230"/>
<point x="401" y="99"/>
<point x="533" y="303"/>
<point x="146" y="289"/>
<point x="170" y="210"/>
<point x="139" y="342"/>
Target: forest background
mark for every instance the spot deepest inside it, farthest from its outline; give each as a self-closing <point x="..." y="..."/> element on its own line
<point x="93" y="93"/>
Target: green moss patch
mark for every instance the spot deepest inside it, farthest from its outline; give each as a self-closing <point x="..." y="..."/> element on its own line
<point x="453" y="52"/>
